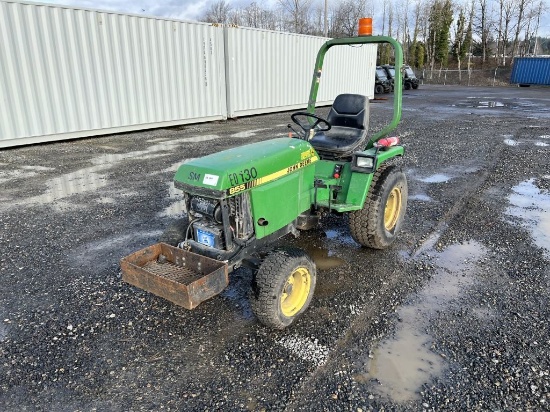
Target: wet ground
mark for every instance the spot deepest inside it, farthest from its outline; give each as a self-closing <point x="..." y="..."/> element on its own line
<point x="454" y="316"/>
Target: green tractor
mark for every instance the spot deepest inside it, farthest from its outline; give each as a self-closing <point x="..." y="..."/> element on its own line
<point x="239" y="201"/>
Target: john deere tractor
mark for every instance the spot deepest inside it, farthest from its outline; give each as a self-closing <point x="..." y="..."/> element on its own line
<point x="239" y="201"/>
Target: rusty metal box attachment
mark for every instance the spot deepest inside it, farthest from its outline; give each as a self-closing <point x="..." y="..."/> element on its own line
<point x="182" y="277"/>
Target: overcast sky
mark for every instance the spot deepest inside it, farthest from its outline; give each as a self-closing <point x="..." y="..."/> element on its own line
<point x="175" y="9"/>
<point x="192" y="9"/>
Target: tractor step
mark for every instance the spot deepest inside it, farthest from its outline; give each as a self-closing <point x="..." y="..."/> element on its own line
<point x="182" y="277"/>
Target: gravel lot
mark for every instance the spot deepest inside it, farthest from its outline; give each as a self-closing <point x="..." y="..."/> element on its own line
<point x="453" y="317"/>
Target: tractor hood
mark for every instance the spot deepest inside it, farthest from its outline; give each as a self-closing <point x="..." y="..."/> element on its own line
<point x="241" y="168"/>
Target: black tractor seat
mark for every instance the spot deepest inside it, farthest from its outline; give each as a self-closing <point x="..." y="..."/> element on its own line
<point x="349" y="118"/>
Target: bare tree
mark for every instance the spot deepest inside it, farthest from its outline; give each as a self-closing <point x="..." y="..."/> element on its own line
<point x="539" y="9"/>
<point x="218" y="12"/>
<point x="298" y="12"/>
<point x="403" y="30"/>
<point x="463" y="35"/>
<point x="484" y="27"/>
<point x="533" y="21"/>
<point x="507" y="8"/>
<point x="385" y="50"/>
<point x="345" y="17"/>
<point x="522" y="6"/>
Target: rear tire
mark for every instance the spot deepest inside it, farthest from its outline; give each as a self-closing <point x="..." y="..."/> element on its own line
<point x="175" y="233"/>
<point x="377" y="224"/>
<point x="283" y="287"/>
<point x="415" y="86"/>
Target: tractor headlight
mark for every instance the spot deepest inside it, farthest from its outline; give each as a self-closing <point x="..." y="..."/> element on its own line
<point x="363" y="163"/>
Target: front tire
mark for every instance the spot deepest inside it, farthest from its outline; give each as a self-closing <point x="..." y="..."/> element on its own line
<point x="377" y="224"/>
<point x="378" y="89"/>
<point x="283" y="287"/>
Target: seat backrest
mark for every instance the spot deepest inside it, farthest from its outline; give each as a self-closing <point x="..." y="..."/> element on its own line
<point x="350" y="110"/>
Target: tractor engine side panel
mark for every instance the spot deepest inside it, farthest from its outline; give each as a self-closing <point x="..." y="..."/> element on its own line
<point x="276" y="204"/>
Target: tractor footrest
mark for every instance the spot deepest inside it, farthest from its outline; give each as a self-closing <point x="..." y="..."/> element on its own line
<point x="182" y="277"/>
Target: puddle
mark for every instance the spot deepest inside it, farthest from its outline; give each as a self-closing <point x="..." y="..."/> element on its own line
<point x="422" y="197"/>
<point x="491" y="104"/>
<point x="541" y="144"/>
<point x="532" y="206"/>
<point x="340" y="238"/>
<point x="248" y="133"/>
<point x="106" y="200"/>
<point x="429" y="242"/>
<point x="23" y="173"/>
<point x="511" y="142"/>
<point x="237" y="292"/>
<point x="436" y="178"/>
<point x="488" y="103"/>
<point x="92" y="178"/>
<point x="81" y="181"/>
<point x="175" y="166"/>
<point x="403" y="363"/>
<point x="323" y="259"/>
<point x="176" y="208"/>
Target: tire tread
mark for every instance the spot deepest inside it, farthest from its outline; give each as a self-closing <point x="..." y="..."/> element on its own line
<point x="364" y="223"/>
<point x="275" y="268"/>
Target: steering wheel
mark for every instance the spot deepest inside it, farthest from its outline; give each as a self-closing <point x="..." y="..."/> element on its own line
<point x="308" y="127"/>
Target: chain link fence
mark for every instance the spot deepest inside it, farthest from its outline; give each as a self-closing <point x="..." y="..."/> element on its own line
<point x="499" y="76"/>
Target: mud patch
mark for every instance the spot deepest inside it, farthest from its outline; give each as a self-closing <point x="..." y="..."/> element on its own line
<point x="403" y="363"/>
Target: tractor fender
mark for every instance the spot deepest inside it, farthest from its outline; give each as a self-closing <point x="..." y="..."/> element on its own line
<point x="360" y="182"/>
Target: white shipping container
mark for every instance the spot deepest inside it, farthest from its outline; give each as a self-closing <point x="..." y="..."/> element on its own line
<point x="347" y="69"/>
<point x="272" y="71"/>
<point x="67" y="72"/>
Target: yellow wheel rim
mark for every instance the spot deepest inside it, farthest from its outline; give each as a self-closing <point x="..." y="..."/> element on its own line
<point x="393" y="209"/>
<point x="295" y="291"/>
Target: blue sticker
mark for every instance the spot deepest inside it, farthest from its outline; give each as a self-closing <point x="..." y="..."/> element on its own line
<point x="205" y="238"/>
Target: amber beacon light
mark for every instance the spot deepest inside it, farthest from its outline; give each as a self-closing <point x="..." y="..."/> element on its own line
<point x="365" y="26"/>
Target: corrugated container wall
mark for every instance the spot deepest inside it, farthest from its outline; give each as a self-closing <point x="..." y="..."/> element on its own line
<point x="531" y="70"/>
<point x="272" y="71"/>
<point x="68" y="73"/>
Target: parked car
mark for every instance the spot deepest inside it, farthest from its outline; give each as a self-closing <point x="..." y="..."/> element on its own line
<point x="381" y="82"/>
<point x="409" y="78"/>
<point x="390" y="73"/>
